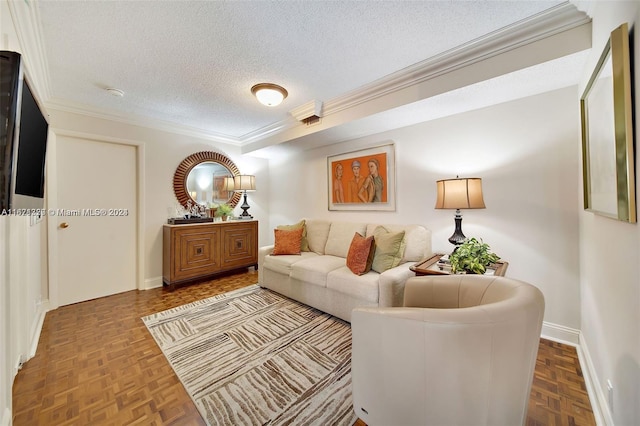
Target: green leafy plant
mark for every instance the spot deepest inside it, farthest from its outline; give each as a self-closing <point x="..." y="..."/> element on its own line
<point x="472" y="256"/>
<point x="224" y="210"/>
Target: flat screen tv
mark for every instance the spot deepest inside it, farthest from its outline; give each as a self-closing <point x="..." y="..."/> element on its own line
<point x="23" y="139"/>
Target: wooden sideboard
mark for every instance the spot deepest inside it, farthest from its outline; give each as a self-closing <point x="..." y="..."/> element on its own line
<point x="202" y="250"/>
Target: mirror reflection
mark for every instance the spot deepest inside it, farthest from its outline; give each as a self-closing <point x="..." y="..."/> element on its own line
<point x="200" y="176"/>
<point x="205" y="183"/>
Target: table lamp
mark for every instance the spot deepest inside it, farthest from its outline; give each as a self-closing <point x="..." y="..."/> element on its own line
<point x="245" y="183"/>
<point x="459" y="193"/>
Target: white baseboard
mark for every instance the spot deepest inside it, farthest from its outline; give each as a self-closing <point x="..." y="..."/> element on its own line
<point x="34" y="336"/>
<point x="560" y="333"/>
<point x="150" y="283"/>
<point x="43" y="308"/>
<point x="573" y="337"/>
<point x="598" y="399"/>
<point x="17" y="365"/>
<point x="6" y="418"/>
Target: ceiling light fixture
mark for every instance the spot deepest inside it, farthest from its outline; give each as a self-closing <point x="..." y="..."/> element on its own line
<point x="269" y="94"/>
<point x="115" y="92"/>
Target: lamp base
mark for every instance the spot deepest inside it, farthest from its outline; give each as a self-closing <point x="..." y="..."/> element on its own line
<point x="245" y="206"/>
<point x="458" y="237"/>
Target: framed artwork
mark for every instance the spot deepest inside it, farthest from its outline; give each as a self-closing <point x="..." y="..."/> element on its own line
<point x="363" y="180"/>
<point x="607" y="133"/>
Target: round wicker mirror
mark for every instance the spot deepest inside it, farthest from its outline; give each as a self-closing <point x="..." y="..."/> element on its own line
<point x="200" y="178"/>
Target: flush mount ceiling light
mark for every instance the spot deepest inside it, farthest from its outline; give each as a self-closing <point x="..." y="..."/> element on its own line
<point x="269" y="94"/>
<point x="115" y="92"/>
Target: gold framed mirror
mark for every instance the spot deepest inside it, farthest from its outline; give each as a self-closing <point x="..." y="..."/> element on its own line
<point x="606" y="107"/>
<point x="199" y="179"/>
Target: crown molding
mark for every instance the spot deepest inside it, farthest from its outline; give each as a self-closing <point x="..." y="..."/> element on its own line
<point x="548" y="23"/>
<point x="266" y="131"/>
<point x="141" y="121"/>
<point x="26" y="20"/>
<point x="545" y="24"/>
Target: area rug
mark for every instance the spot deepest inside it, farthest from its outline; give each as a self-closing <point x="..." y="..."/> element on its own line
<point x="254" y="357"/>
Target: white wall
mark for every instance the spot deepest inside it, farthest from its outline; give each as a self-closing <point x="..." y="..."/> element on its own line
<point x="610" y="259"/>
<point x="163" y="151"/>
<point x="6" y="379"/>
<point x="22" y="313"/>
<point x="22" y="275"/>
<point x="525" y="152"/>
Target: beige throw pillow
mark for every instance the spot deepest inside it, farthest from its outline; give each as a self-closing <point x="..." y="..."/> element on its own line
<point x="389" y="249"/>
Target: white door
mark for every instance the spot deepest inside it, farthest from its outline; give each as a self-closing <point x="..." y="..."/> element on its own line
<point x="96" y="219"/>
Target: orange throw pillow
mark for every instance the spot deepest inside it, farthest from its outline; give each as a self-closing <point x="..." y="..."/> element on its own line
<point x="360" y="255"/>
<point x="287" y="241"/>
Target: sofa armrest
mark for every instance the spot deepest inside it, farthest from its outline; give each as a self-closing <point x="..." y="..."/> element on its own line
<point x="262" y="253"/>
<point x="391" y="285"/>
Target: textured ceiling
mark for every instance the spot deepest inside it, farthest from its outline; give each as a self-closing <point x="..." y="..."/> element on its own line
<point x="193" y="63"/>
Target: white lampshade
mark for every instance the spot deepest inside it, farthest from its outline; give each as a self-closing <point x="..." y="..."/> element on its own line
<point x="460" y="194"/>
<point x="269" y="94"/>
<point x="245" y="183"/>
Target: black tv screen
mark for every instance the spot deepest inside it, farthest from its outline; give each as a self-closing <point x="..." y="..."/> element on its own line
<point x="23" y="138"/>
<point x="32" y="147"/>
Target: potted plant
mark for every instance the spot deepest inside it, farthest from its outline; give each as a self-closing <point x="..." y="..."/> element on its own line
<point x="211" y="209"/>
<point x="223" y="211"/>
<point x="472" y="257"/>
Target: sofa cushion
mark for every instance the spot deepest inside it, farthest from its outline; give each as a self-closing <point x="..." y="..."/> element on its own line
<point x="416" y="237"/>
<point x="282" y="264"/>
<point x="304" y="244"/>
<point x="314" y="270"/>
<point x="389" y="249"/>
<point x="317" y="234"/>
<point x="363" y="287"/>
<point x="340" y="236"/>
<point x="287" y="242"/>
<point x="360" y="256"/>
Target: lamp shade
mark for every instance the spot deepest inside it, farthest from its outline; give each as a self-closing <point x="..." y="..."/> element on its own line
<point x="228" y="184"/>
<point x="245" y="183"/>
<point x="459" y="193"/>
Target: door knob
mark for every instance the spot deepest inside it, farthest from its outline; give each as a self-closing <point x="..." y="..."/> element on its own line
<point x="64" y="225"/>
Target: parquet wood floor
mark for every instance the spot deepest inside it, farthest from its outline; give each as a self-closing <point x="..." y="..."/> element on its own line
<point x="96" y="364"/>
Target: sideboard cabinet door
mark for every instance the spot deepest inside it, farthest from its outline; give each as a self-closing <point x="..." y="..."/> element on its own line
<point x="239" y="245"/>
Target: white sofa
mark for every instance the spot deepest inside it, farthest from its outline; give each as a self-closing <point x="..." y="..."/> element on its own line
<point x="320" y="277"/>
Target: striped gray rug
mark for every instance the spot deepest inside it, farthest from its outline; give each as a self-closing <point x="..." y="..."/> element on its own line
<point x="254" y="357"/>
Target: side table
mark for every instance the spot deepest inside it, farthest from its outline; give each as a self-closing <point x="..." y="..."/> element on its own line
<point x="430" y="266"/>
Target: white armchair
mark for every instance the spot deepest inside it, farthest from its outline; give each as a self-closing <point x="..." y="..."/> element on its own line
<point x="461" y="352"/>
